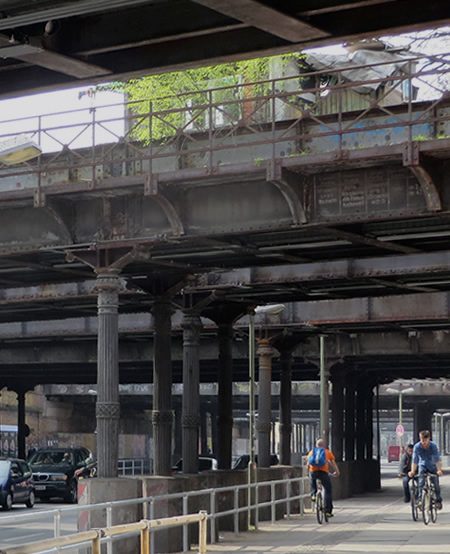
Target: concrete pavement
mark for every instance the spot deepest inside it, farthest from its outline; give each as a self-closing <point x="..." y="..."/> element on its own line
<point x="378" y="522"/>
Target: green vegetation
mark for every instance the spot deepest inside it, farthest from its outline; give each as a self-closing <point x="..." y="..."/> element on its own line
<point x="180" y="100"/>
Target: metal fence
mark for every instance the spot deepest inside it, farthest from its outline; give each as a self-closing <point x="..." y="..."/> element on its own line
<point x="285" y="495"/>
<point x="135" y="466"/>
<point x="96" y="537"/>
<point x="335" y="109"/>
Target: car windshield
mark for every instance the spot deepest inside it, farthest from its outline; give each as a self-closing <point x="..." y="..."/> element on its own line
<point x="52" y="458"/>
<point x="4" y="469"/>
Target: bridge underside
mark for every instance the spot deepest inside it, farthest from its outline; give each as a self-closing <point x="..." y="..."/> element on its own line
<point x="45" y="46"/>
<point x="343" y="217"/>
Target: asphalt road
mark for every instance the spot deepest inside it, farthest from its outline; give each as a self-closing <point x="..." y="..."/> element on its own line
<point x="15" y="530"/>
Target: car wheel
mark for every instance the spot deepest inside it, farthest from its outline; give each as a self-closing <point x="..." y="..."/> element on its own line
<point x="31" y="500"/>
<point x="72" y="495"/>
<point x="7" y="503"/>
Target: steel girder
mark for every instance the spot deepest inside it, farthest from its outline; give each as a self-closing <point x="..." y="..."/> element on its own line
<point x="47" y="45"/>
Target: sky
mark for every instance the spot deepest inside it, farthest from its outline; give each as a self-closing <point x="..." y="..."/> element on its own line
<point x="21" y="115"/>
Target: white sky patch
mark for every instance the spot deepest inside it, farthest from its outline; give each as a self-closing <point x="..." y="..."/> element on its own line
<point x="73" y="117"/>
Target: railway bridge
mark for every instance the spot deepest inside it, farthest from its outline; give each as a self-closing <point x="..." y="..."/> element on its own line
<point x="246" y="199"/>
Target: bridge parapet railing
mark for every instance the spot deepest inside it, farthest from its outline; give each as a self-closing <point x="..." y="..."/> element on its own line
<point x="268" y="500"/>
<point x="335" y="109"/>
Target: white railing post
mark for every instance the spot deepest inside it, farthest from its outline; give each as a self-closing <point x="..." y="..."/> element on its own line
<point x="212" y="512"/>
<point x="302" y="495"/>
<point x="109" y="545"/>
<point x="57" y="524"/>
<point x="288" y="499"/>
<point x="185" y="526"/>
<point x="152" y="516"/>
<point x="236" y="513"/>
<point x="256" y="504"/>
<point x="272" y="502"/>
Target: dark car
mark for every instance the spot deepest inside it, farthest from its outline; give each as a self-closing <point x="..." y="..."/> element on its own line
<point x="242" y="461"/>
<point x="16" y="483"/>
<point x="56" y="471"/>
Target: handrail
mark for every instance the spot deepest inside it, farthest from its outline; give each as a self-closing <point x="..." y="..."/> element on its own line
<point x="290" y="490"/>
<point x="95" y="536"/>
<point x="297" y="115"/>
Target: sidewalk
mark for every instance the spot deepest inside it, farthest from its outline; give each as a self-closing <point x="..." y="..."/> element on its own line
<point x="375" y="523"/>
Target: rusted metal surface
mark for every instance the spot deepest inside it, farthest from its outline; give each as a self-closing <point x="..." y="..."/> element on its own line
<point x="411" y="264"/>
<point x="263" y="209"/>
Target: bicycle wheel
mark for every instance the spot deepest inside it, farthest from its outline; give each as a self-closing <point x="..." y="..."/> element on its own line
<point x="426" y="504"/>
<point x="414" y="509"/>
<point x="433" y="510"/>
<point x="319" y="507"/>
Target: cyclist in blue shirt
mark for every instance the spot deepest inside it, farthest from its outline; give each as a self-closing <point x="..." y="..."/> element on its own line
<point x="426" y="458"/>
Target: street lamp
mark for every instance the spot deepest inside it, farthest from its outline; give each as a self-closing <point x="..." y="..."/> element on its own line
<point x="270" y="309"/>
<point x="400" y="393"/>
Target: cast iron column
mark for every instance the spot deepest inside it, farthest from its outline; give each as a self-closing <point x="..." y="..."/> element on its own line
<point x="324" y="394"/>
<point x="349" y="432"/>
<point x="285" y="407"/>
<point x="337" y="411"/>
<point x="203" y="428"/>
<point x="225" y="396"/>
<point x="213" y="412"/>
<point x="191" y="398"/>
<point x="177" y="449"/>
<point x="162" y="415"/>
<point x="361" y="429"/>
<point x="265" y="352"/>
<point x="369" y="423"/>
<point x="423" y="416"/>
<point x="21" y="429"/>
<point x="108" y="406"/>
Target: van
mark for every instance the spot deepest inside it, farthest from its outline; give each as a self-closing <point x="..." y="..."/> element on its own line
<point x="393" y="453"/>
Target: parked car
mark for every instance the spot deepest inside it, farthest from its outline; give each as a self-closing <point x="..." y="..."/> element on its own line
<point x="56" y="471"/>
<point x="205" y="463"/>
<point x="16" y="483"/>
<point x="242" y="461"/>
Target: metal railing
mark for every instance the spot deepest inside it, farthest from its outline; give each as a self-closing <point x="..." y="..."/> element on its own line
<point x="314" y="111"/>
<point x="96" y="537"/>
<point x="230" y="501"/>
<point x="135" y="466"/>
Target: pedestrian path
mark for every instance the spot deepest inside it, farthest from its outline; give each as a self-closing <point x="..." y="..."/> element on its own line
<point x="378" y="522"/>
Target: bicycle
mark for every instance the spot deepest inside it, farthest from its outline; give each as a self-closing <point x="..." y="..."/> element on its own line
<point x="319" y="504"/>
<point x="429" y="508"/>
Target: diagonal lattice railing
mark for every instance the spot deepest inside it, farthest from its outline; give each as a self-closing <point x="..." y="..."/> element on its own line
<point x="329" y="110"/>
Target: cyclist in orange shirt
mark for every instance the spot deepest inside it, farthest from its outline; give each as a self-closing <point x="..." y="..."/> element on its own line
<point x="321" y="472"/>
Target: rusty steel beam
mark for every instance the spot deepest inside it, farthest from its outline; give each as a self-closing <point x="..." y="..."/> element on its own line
<point x="328" y="271"/>
<point x="412" y="311"/>
<point x="268" y="19"/>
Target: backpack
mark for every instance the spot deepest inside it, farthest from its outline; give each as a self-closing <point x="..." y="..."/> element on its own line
<point x="318" y="457"/>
